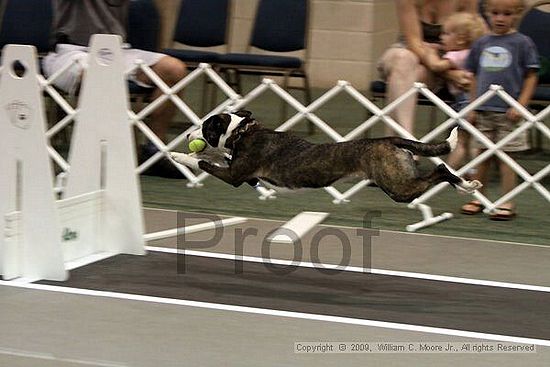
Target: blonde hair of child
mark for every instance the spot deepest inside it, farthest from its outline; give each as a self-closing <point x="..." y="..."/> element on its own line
<point x="519" y="5"/>
<point x="468" y="27"/>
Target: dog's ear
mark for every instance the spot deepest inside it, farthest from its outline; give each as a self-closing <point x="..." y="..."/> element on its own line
<point x="243" y="113"/>
<point x="221" y="122"/>
<point x="214" y="127"/>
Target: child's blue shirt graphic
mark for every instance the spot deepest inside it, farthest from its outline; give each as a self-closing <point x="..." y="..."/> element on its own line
<point x="503" y="60"/>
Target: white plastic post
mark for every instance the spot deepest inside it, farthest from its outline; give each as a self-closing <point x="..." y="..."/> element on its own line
<point x="102" y="152"/>
<point x="26" y="175"/>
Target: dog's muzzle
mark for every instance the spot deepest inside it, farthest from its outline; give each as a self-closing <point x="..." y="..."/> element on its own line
<point x="195" y="134"/>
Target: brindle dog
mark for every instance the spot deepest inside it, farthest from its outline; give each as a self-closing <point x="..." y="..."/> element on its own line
<point x="285" y="160"/>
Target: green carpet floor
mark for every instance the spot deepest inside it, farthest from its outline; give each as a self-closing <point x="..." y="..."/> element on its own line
<point x="531" y="226"/>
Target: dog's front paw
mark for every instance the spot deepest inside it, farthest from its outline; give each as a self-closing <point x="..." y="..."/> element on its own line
<point x="470" y="186"/>
<point x="185" y="159"/>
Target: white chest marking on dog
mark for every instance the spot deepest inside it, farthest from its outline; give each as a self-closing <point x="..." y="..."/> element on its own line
<point x="235" y="120"/>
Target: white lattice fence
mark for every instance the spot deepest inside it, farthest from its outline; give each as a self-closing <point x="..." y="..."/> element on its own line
<point x="493" y="148"/>
<point x="234" y="102"/>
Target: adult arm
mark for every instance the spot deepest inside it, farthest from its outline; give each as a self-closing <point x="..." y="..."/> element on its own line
<point x="409" y="24"/>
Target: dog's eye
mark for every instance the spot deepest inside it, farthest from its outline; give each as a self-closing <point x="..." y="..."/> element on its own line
<point x="211" y="138"/>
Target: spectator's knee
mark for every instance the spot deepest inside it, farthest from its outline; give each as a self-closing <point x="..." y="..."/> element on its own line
<point x="170" y="69"/>
<point x="402" y="60"/>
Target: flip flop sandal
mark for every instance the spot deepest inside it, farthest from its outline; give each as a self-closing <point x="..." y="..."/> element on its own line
<point x="503" y="214"/>
<point x="472" y="208"/>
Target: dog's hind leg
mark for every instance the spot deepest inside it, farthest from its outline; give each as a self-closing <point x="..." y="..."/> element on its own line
<point x="419" y="185"/>
<point x="460" y="183"/>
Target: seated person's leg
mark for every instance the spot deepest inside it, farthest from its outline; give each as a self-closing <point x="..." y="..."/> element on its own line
<point x="401" y="68"/>
<point x="170" y="70"/>
<point x="69" y="80"/>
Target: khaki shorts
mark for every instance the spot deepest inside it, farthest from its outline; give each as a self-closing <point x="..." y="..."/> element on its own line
<point x="66" y="53"/>
<point x="496" y="127"/>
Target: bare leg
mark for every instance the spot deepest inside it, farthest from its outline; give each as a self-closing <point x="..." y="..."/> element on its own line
<point x="508" y="181"/>
<point x="482" y="173"/>
<point x="403" y="69"/>
<point x="456" y="157"/>
<point x="474" y="206"/>
<point x="170" y="70"/>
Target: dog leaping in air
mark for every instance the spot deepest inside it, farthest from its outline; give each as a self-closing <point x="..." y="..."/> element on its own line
<point x="281" y="159"/>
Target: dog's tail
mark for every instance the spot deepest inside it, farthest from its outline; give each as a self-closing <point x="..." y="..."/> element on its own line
<point x="429" y="149"/>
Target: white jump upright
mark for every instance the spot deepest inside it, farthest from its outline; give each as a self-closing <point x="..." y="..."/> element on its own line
<point x="100" y="214"/>
<point x="102" y="156"/>
<point x="27" y="201"/>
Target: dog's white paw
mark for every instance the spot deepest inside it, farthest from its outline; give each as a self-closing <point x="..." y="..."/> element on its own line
<point x="469" y="186"/>
<point x="185" y="159"/>
<point x="453" y="138"/>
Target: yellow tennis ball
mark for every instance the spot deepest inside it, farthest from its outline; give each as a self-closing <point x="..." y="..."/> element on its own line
<point x="197" y="145"/>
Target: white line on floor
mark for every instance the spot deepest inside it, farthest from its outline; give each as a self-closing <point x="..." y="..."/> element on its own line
<point x="278" y="313"/>
<point x="356" y="269"/>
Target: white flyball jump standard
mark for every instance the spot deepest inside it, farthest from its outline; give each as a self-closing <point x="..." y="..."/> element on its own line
<point x="102" y="155"/>
<point x="100" y="214"/>
<point x="26" y="175"/>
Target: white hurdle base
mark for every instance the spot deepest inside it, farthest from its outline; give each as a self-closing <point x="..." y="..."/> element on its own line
<point x="429" y="218"/>
<point x="83" y="233"/>
<point x="298" y="226"/>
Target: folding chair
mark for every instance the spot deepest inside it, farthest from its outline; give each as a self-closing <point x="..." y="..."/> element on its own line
<point x="143" y="25"/>
<point x="27" y="22"/>
<point x="280" y="26"/>
<point x="534" y="23"/>
<point x="142" y="33"/>
<point x="201" y="25"/>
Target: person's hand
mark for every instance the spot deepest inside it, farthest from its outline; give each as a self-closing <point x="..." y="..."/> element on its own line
<point x="513" y="115"/>
<point x="460" y="78"/>
<point x="433" y="62"/>
<point x="434" y="46"/>
<point x="472" y="117"/>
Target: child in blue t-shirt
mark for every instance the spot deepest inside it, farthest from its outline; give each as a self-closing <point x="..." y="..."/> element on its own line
<point x="507" y="58"/>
